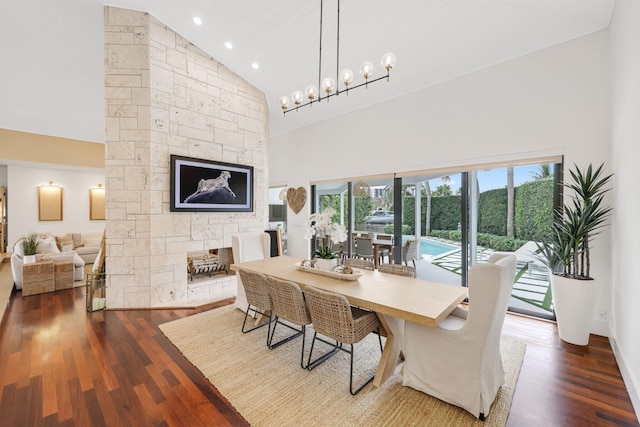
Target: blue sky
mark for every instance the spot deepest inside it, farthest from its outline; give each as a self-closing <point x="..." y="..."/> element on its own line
<point x="495" y="178"/>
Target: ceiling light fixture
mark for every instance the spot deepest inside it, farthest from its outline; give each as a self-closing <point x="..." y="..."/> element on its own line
<point x="255" y="66"/>
<point x="328" y="86"/>
<point x="197" y="20"/>
<point x="228" y="45"/>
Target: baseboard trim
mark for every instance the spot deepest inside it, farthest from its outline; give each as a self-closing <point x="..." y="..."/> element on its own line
<point x="632" y="387"/>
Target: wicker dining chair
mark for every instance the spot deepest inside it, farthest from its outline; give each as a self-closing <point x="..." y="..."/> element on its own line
<point x="398" y="269"/>
<point x="288" y="304"/>
<point x="360" y="263"/>
<point x="258" y="299"/>
<point x="334" y="318"/>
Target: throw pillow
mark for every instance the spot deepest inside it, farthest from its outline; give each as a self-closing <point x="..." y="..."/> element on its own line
<point x="66" y="248"/>
<point x="48" y="246"/>
<point x="63" y="241"/>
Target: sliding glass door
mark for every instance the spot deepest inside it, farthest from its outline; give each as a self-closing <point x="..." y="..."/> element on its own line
<point x="511" y="209"/>
<point x="454" y="221"/>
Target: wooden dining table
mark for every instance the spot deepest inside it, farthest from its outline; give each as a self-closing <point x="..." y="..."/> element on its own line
<point x="394" y="299"/>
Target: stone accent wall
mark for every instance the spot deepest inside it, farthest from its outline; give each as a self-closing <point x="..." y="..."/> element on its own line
<point x="165" y="96"/>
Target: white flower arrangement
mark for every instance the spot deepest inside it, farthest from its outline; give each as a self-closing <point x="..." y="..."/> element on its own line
<point x="320" y="225"/>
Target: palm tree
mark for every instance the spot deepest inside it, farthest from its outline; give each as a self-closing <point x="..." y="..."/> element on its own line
<point x="427" y="214"/>
<point x="510" y="203"/>
<point x="543" y="173"/>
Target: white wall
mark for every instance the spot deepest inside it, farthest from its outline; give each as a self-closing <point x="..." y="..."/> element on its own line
<point x="3" y="175"/>
<point x="22" y="200"/>
<point x="52" y="79"/>
<point x="555" y="101"/>
<point x="625" y="40"/>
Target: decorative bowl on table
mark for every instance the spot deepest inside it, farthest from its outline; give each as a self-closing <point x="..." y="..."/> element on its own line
<point x="339" y="272"/>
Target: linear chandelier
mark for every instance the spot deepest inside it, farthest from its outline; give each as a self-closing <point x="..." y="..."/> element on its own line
<point x="328" y="84"/>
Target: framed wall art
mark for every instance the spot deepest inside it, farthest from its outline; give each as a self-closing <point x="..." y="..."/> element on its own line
<point x="49" y="202"/>
<point x="210" y="186"/>
<point x="97" y="203"/>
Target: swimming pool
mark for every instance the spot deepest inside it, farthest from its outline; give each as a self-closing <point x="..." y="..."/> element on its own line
<point x="430" y="247"/>
<point x="433" y="247"/>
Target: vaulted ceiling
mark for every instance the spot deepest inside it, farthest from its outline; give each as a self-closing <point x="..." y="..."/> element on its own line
<point x="434" y="41"/>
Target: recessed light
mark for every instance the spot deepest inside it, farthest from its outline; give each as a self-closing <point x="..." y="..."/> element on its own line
<point x="228" y="45"/>
<point x="255" y="65"/>
<point x="197" y="20"/>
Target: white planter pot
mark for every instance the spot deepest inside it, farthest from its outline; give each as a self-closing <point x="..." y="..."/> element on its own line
<point x="574" y="303"/>
<point x="28" y="259"/>
<point x="326" y="264"/>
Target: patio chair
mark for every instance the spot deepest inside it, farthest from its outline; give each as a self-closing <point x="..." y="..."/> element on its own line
<point x="385" y="252"/>
<point x="410" y="252"/>
<point x="364" y="248"/>
<point x="528" y="253"/>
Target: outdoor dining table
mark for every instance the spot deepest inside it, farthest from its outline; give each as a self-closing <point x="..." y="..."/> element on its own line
<point x="394" y="299"/>
<point x="377" y="245"/>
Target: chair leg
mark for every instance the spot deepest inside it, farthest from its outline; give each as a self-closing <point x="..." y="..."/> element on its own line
<point x="315" y="363"/>
<point x="351" y="390"/>
<point x="277" y="321"/>
<point x="246" y="315"/>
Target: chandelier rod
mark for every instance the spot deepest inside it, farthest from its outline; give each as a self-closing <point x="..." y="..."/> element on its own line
<point x="320" y="58"/>
<point x="337" y="50"/>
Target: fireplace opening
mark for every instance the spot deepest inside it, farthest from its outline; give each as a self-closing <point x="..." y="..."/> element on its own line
<point x="212" y="262"/>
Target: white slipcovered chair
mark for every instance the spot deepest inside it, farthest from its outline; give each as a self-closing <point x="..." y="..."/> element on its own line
<point x="248" y="247"/>
<point x="459" y="361"/>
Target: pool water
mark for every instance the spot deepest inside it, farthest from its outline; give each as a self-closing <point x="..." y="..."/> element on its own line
<point x="432" y="247"/>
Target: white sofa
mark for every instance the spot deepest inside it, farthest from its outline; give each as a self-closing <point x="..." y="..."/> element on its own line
<point x="87" y="244"/>
<point x="49" y="249"/>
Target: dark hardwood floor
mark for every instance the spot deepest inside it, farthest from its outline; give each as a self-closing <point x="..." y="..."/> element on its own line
<point x="63" y="366"/>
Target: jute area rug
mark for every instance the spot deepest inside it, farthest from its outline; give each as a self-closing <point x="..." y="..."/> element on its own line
<point x="269" y="388"/>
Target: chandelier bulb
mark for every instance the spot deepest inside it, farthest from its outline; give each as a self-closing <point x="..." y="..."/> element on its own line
<point x="346" y="77"/>
<point x="297" y="97"/>
<point x="284" y="102"/>
<point x="328" y="85"/>
<point x="366" y="69"/>
<point x="311" y="92"/>
<point x="388" y="61"/>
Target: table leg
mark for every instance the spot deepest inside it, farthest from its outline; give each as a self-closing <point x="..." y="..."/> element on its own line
<point x="376" y="256"/>
<point x="394" y="329"/>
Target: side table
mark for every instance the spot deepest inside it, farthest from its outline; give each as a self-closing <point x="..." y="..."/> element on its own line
<point x="63" y="274"/>
<point x="37" y="278"/>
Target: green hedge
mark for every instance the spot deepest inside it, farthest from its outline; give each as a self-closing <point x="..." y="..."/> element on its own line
<point x="534" y="210"/>
<point x="498" y="243"/>
<point x="493" y="212"/>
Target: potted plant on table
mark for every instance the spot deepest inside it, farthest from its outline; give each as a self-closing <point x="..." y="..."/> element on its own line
<point x="567" y="253"/>
<point x="321" y="226"/>
<point x="30" y="247"/>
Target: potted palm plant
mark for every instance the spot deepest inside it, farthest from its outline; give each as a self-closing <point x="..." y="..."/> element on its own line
<point x="30" y="247"/>
<point x="567" y="253"/>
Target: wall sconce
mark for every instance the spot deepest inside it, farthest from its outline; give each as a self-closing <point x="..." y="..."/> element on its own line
<point x="49" y="202"/>
<point x="97" y="203"/>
